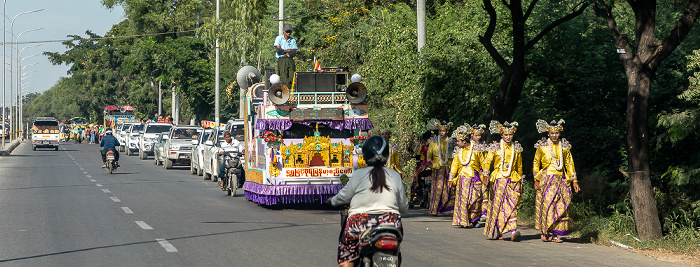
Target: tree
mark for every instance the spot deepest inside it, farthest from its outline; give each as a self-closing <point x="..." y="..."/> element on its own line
<point x="641" y="59"/>
<point x="515" y="73"/>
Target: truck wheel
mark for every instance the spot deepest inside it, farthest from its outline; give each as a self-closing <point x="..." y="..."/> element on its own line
<point x="128" y="151"/>
<point x="34" y="148"/>
<point x="200" y="172"/>
<point x="206" y="176"/>
<point x="56" y="148"/>
<point x="193" y="171"/>
<point x="167" y="163"/>
<point x="141" y="154"/>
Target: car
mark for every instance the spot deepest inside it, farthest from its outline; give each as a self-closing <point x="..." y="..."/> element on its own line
<point x="120" y="134"/>
<point x="211" y="154"/>
<point x="131" y="143"/>
<point x="178" y="145"/>
<point x="236" y="128"/>
<point x="212" y="160"/>
<point x="197" y="161"/>
<point x="158" y="155"/>
<point x="149" y="135"/>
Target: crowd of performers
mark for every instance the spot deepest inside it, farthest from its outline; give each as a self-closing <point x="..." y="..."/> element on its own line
<point x="465" y="184"/>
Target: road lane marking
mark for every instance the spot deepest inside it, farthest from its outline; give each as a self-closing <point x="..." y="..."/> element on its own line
<point x="88" y="176"/>
<point x="106" y="191"/>
<point x="84" y="172"/>
<point x="144" y="226"/>
<point x="115" y="199"/>
<point x="82" y="169"/>
<point x="93" y="180"/>
<point x="98" y="184"/>
<point x="127" y="210"/>
<point x="166" y="245"/>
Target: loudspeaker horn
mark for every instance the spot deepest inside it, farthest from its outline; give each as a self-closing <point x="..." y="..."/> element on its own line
<point x="256" y="91"/>
<point x="247" y="76"/>
<point x="278" y="94"/>
<point x="122" y="109"/>
<point x="356" y="93"/>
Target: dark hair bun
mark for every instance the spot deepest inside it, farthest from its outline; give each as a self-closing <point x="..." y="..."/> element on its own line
<point x="375" y="150"/>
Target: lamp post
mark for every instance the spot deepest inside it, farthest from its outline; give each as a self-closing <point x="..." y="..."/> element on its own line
<point x="12" y="24"/>
<point x="216" y="74"/>
<point x="20" y="95"/>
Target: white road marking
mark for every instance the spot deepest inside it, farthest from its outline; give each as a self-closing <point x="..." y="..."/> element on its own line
<point x="84" y="172"/>
<point x="93" y="180"/>
<point x="106" y="191"/>
<point x="98" y="184"/>
<point x="88" y="176"/>
<point x="166" y="245"/>
<point x="115" y="199"/>
<point x="127" y="210"/>
<point x="144" y="226"/>
<point x="82" y="169"/>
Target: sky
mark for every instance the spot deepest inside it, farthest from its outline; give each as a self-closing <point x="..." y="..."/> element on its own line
<point x="59" y="18"/>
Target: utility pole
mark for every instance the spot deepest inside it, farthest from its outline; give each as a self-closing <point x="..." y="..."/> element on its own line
<point x="420" y="10"/>
<point x="160" y="99"/>
<point x="216" y="75"/>
<point x="281" y="17"/>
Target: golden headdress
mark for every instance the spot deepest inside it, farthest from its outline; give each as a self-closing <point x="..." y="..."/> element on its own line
<point x="477" y="129"/>
<point x="436" y="124"/>
<point x="507" y="127"/>
<point x="543" y="126"/>
<point x="462" y="132"/>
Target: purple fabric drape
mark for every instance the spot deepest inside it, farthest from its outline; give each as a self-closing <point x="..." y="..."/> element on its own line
<point x="286" y="194"/>
<point x="282" y="124"/>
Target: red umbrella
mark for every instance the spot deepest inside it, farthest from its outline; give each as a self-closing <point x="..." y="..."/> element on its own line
<point x="111" y="108"/>
<point x="128" y="108"/>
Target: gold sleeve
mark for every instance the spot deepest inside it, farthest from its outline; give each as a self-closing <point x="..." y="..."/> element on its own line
<point x="456" y="165"/>
<point x="432" y="147"/>
<point x="395" y="163"/>
<point x="486" y="163"/>
<point x="536" y="164"/>
<point x="570" y="170"/>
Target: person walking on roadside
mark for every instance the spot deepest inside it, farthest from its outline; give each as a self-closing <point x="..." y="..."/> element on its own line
<point x="554" y="172"/>
<point x="505" y="181"/>
<point x="465" y="174"/>
<point x="286" y="49"/>
<point x="439" y="153"/>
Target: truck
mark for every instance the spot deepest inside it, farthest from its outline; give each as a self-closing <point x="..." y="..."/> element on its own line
<point x="178" y="145"/>
<point x="45" y="133"/>
<point x="300" y="141"/>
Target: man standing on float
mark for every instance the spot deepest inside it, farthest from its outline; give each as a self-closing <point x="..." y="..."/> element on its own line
<point x="286" y="50"/>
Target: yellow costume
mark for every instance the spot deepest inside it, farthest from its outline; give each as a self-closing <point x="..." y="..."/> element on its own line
<point x="466" y="173"/>
<point x="505" y="183"/>
<point x="553" y="168"/>
<point x="441" y="195"/>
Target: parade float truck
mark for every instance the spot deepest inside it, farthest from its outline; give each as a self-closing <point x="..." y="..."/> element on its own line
<point x="300" y="141"/>
<point x="115" y="116"/>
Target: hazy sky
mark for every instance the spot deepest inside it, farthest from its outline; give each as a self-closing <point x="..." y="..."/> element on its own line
<point x="59" y="19"/>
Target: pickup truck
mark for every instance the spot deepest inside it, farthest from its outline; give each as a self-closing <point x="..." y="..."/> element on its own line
<point x="178" y="145"/>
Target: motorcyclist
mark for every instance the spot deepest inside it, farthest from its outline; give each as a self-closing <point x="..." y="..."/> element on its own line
<point x="375" y="194"/>
<point x="109" y="142"/>
<point x="228" y="146"/>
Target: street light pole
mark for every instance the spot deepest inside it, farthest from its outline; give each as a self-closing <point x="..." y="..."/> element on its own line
<point x="216" y="73"/>
<point x="20" y="95"/>
<point x="15" y="125"/>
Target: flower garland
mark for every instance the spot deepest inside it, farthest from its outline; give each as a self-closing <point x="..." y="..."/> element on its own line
<point x="272" y="137"/>
<point x="558" y="164"/>
<point x="469" y="157"/>
<point x="443" y="162"/>
<point x="509" y="167"/>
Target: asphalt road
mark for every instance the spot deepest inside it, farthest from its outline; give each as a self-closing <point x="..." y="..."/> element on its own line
<point x="59" y="208"/>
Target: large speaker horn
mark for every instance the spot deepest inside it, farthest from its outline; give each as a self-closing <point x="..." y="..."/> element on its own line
<point x="278" y="94"/>
<point x="356" y="93"/>
<point x="256" y="91"/>
<point x="247" y="76"/>
<point x="122" y="109"/>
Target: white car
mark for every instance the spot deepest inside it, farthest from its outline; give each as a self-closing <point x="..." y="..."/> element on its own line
<point x="212" y="160"/>
<point x="178" y="145"/>
<point x="149" y="136"/>
<point x="197" y="163"/>
<point x="131" y="143"/>
<point x="120" y="134"/>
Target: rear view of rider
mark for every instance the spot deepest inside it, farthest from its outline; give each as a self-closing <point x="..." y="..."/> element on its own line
<point x="375" y="194"/>
<point x="109" y="142"/>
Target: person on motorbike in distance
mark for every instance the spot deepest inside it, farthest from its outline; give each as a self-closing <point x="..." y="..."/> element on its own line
<point x="227" y="146"/>
<point x="376" y="195"/>
<point x="109" y="142"/>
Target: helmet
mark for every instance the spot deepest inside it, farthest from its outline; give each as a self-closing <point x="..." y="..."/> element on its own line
<point x="108" y="131"/>
<point x="375" y="150"/>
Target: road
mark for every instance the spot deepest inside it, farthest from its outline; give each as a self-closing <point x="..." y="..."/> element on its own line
<point x="59" y="208"/>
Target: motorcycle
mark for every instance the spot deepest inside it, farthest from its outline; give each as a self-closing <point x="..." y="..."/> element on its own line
<point x="233" y="173"/>
<point x="111" y="164"/>
<point x="379" y="246"/>
<point x="420" y="192"/>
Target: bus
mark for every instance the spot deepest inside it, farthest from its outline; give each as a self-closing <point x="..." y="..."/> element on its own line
<point x="302" y="143"/>
<point x="45" y="133"/>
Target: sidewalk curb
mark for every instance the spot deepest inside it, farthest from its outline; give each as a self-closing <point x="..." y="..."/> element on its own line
<point x="9" y="149"/>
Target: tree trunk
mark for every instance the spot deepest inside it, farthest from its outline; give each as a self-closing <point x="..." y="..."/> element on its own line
<point x="646" y="215"/>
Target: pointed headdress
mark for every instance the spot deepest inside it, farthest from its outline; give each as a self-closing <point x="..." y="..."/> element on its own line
<point x="496" y="127"/>
<point x="543" y="126"/>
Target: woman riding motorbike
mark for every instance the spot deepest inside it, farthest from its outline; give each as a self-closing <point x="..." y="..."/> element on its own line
<point x="376" y="195"/>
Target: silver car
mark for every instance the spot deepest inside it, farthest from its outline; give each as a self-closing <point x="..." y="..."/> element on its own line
<point x="149" y="135"/>
<point x="178" y="145"/>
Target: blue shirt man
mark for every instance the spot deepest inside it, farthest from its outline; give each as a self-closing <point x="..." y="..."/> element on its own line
<point x="109" y="142"/>
<point x="286" y="49"/>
